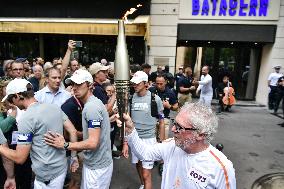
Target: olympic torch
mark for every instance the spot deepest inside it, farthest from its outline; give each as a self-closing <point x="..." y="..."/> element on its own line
<point x="121" y="67"/>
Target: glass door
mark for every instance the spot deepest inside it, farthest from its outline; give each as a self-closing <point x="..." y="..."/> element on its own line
<point x="241" y="64"/>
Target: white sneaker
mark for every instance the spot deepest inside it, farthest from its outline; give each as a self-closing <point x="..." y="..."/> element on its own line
<point x="141" y="187"/>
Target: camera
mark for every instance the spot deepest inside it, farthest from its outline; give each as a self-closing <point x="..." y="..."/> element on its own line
<point x="78" y="44"/>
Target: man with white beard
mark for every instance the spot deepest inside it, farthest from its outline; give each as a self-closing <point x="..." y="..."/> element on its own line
<point x="190" y="161"/>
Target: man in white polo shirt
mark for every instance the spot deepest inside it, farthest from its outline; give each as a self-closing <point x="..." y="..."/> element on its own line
<point x="272" y="84"/>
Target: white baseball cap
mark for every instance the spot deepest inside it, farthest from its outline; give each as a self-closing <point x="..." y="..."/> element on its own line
<point x="138" y="77"/>
<point x="16" y="86"/>
<point x="96" y="67"/>
<point x="80" y="76"/>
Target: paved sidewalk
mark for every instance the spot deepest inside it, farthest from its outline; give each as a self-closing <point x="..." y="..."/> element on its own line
<point x="253" y="141"/>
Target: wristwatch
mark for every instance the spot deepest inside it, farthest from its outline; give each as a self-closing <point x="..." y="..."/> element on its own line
<point x="66" y="145"/>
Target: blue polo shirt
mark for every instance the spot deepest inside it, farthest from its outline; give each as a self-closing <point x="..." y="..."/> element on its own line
<point x="35" y="82"/>
<point x="72" y="107"/>
<point x="100" y="93"/>
<point x="167" y="94"/>
<point x="185" y="82"/>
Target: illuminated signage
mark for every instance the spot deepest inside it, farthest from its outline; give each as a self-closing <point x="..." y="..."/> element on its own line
<point x="230" y="7"/>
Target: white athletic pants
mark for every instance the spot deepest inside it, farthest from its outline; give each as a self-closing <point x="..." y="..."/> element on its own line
<point x="206" y="99"/>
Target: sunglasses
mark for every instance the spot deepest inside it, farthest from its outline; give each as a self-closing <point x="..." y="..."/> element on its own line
<point x="180" y="128"/>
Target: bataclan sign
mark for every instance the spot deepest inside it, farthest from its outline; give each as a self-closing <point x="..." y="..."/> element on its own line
<point x="230" y="9"/>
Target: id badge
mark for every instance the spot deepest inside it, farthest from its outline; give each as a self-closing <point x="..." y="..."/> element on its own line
<point x="198" y="177"/>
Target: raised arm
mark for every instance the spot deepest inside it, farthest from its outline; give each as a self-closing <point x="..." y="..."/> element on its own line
<point x="66" y="59"/>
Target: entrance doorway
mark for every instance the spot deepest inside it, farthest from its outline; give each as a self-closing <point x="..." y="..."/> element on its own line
<point x="239" y="61"/>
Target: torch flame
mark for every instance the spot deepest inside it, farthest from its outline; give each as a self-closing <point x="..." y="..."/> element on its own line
<point x="130" y="11"/>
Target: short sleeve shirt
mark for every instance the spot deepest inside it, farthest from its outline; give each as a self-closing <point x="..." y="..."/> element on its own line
<point x="168" y="95"/>
<point x="185" y="82"/>
<point x="2" y="138"/>
<point x="100" y="93"/>
<point x="35" y="82"/>
<point x="47" y="162"/>
<point x="145" y="124"/>
<point x="273" y="78"/>
<point x="73" y="109"/>
<point x="95" y="116"/>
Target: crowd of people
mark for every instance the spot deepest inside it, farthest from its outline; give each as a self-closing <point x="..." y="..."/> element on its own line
<point x="59" y="121"/>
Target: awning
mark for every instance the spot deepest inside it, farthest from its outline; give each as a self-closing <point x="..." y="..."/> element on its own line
<point x="224" y="33"/>
<point x="70" y="26"/>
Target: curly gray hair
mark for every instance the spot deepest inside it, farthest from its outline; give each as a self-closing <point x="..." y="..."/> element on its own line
<point x="202" y="118"/>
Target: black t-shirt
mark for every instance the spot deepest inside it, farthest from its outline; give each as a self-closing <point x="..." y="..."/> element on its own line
<point x="72" y="107"/>
<point x="100" y="93"/>
<point x="167" y="94"/>
<point x="221" y="87"/>
<point x="185" y="82"/>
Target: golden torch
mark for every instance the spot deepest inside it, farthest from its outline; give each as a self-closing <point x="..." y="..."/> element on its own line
<point x="121" y="67"/>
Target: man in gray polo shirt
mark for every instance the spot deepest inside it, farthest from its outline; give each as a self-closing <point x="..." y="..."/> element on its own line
<point x="48" y="164"/>
<point x="145" y="123"/>
<point x="97" y="165"/>
<point x="8" y="166"/>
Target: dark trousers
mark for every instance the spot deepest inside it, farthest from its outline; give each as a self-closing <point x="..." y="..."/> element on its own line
<point x="221" y="105"/>
<point x="279" y="96"/>
<point x="113" y="133"/>
<point x="272" y="97"/>
<point x="24" y="175"/>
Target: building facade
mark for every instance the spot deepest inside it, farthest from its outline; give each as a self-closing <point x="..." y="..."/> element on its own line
<point x="31" y="29"/>
<point x="243" y="39"/>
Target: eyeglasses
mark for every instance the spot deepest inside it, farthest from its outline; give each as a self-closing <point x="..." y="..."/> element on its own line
<point x="180" y="128"/>
<point x="18" y="69"/>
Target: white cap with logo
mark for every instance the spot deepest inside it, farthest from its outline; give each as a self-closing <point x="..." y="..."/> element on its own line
<point x="96" y="67"/>
<point x="80" y="76"/>
<point x="138" y="77"/>
<point x="16" y="86"/>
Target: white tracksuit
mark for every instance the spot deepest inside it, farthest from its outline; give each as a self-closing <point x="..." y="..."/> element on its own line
<point x="205" y="85"/>
<point x="208" y="169"/>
